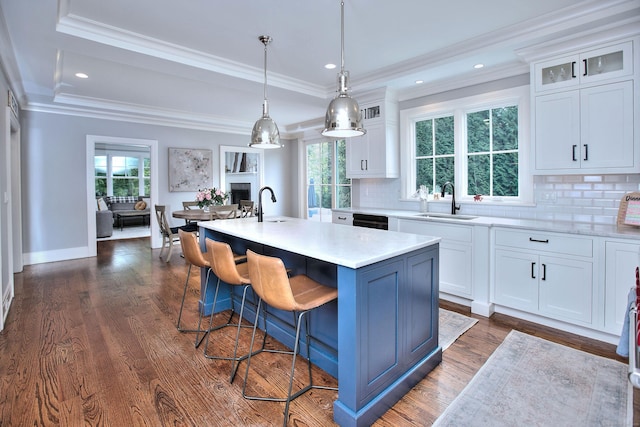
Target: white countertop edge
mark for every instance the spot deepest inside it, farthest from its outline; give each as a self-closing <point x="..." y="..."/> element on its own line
<point x="586" y="229"/>
<point x="351" y="247"/>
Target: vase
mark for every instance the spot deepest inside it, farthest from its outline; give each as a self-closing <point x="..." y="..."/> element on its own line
<point x="206" y="208"/>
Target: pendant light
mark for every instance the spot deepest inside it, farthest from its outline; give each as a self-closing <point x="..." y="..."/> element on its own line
<point x="343" y="118"/>
<point x="265" y="132"/>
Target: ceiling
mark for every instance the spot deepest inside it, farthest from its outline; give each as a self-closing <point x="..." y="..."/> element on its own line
<point x="199" y="64"/>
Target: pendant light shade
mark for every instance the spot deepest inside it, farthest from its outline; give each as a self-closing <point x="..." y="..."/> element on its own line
<point x="343" y="118"/>
<point x="265" y="133"/>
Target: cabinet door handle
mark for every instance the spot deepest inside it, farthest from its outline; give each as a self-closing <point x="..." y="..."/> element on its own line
<point x="573" y="70"/>
<point x="573" y="148"/>
<point x="531" y="239"/>
<point x="533" y="272"/>
<point x="544" y="272"/>
<point x="361" y="163"/>
<point x="586" y="72"/>
<point x="366" y="165"/>
<point x="586" y="151"/>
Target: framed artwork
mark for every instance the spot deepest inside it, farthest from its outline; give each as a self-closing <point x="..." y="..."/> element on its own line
<point x="189" y="169"/>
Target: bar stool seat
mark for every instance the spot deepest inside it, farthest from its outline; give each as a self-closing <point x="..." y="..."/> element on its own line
<point x="299" y="294"/>
<point x="224" y="264"/>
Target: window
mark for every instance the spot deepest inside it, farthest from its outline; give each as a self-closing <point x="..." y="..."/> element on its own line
<point x="478" y="143"/>
<point x="101" y="175"/>
<point x="435" y="151"/>
<point x="492" y="152"/>
<point x="121" y="175"/>
<point x="327" y="184"/>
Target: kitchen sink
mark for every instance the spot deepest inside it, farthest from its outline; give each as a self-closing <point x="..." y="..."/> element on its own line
<point x="446" y="216"/>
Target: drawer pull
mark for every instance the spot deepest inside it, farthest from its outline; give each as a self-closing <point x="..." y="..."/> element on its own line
<point x="342" y="218"/>
<point x="533" y="267"/>
<point x="531" y="239"/>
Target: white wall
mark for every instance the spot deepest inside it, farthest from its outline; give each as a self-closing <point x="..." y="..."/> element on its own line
<point x="54" y="179"/>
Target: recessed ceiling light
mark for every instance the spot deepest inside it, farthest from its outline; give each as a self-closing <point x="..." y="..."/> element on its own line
<point x="419" y="82"/>
<point x="330" y="66"/>
<point x="82" y="76"/>
<point x="478" y="66"/>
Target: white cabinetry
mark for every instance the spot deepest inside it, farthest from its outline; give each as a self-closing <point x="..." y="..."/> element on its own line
<point x="464" y="260"/>
<point x="621" y="260"/>
<point x="342" y="218"/>
<point x="375" y="154"/>
<point x="456" y="255"/>
<point x="548" y="274"/>
<point x="583" y="112"/>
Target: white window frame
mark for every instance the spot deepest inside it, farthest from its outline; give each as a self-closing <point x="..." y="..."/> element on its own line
<point x="459" y="108"/>
<point x="303" y="172"/>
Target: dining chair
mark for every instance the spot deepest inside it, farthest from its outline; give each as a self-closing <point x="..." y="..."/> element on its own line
<point x="169" y="234"/>
<point x="194" y="256"/>
<point x="187" y="206"/>
<point x="246" y="208"/>
<point x="299" y="294"/>
<point x="224" y="211"/>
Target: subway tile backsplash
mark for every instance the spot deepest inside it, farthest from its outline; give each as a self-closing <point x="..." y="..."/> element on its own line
<point x="577" y="198"/>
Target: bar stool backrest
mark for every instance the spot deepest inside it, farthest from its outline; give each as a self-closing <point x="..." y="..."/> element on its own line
<point x="270" y="281"/>
<point x="191" y="250"/>
<point x="223" y="262"/>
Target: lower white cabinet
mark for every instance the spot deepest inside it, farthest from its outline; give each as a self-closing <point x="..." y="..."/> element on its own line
<point x="621" y="260"/>
<point x="549" y="274"/>
<point x="456" y="253"/>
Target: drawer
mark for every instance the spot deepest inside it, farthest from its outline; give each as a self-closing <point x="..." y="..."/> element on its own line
<point x="342" y="218"/>
<point x="545" y="242"/>
<point x="459" y="233"/>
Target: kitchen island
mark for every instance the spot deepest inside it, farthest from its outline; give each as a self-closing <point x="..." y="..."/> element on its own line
<point x="380" y="337"/>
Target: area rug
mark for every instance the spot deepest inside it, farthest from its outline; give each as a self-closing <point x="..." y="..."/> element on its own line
<point x="529" y="381"/>
<point x="452" y="325"/>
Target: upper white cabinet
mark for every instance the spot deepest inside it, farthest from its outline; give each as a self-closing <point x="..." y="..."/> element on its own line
<point x="375" y="154"/>
<point x="583" y="112"/>
<point x="609" y="62"/>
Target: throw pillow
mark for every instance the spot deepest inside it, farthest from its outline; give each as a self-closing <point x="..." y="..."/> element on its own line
<point x="102" y="205"/>
<point x="140" y="206"/>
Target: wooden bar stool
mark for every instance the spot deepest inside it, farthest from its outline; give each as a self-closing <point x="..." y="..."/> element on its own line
<point x="224" y="264"/>
<point x="193" y="255"/>
<point x="298" y="294"/>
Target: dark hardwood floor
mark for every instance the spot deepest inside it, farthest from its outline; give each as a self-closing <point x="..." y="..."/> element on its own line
<point x="93" y="342"/>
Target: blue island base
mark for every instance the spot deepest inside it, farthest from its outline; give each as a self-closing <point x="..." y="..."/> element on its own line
<point x="367" y="415"/>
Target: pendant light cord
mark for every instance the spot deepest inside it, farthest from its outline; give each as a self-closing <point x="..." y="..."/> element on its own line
<point x="342" y="36"/>
<point x="265" y="69"/>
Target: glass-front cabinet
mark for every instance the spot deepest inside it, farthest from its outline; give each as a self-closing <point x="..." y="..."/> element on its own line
<point x="589" y="66"/>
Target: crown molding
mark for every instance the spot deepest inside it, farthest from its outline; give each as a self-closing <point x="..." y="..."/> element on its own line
<point x="8" y="64"/>
<point x="99" y="109"/>
<point x="87" y="29"/>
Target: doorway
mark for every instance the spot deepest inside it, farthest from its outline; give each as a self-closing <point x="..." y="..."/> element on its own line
<point x="94" y="141"/>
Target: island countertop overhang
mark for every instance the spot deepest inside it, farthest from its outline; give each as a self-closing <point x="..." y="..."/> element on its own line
<point x="351" y="247"/>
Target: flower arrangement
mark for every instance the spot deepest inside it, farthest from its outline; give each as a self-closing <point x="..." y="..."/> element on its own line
<point x="211" y="196"/>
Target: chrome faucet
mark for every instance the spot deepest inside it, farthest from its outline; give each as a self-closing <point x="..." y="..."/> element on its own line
<point x="273" y="199"/>
<point x="454" y="208"/>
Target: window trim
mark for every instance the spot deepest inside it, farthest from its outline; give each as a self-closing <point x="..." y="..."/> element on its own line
<point x="302" y="171"/>
<point x="459" y="107"/>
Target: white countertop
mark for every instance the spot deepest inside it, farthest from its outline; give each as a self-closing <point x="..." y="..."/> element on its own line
<point x="603" y="230"/>
<point x="352" y="247"/>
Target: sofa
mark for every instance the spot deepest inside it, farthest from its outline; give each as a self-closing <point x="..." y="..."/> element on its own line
<point x="110" y="206"/>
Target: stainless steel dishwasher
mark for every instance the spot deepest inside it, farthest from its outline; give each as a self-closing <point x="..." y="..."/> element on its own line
<point x="371" y="221"/>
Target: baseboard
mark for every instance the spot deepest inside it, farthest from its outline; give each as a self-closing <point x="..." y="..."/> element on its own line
<point x="31" y="258"/>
